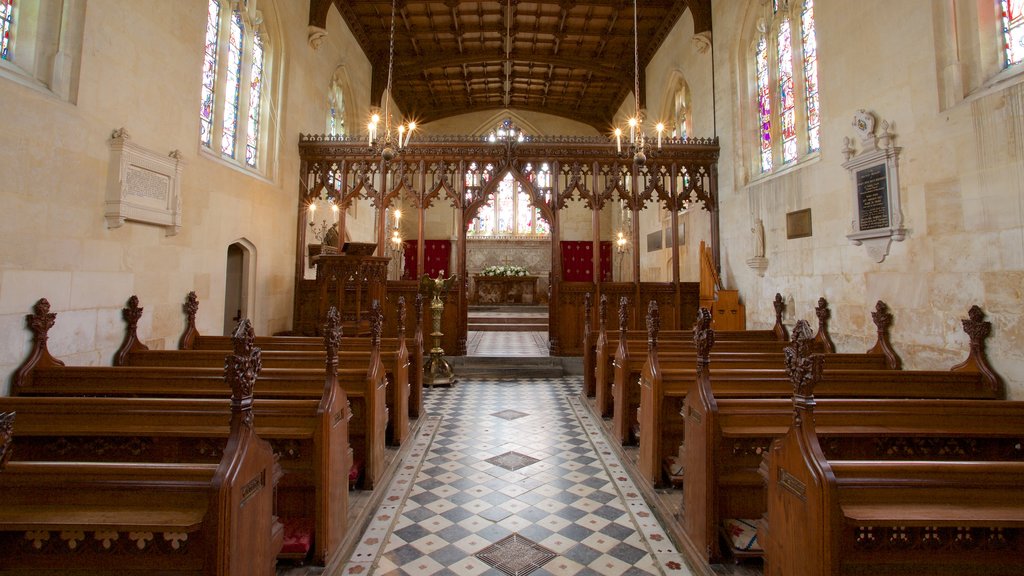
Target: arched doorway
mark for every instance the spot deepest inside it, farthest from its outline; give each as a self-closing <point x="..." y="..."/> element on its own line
<point x="238" y="284"/>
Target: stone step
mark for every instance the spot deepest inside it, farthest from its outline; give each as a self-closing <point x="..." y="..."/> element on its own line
<point x="506" y="327"/>
<point x="507" y="366"/>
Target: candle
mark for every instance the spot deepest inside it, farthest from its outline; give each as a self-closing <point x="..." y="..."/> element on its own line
<point x="632" y="130"/>
<point x="661" y="128"/>
<point x="618" y="140"/>
<point x="408" y="135"/>
<point x="334" y="209"/>
<point x="401" y="132"/>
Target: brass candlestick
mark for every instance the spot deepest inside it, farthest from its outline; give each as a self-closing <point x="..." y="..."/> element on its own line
<point x="437" y="371"/>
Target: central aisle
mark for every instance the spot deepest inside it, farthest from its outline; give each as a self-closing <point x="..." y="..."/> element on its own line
<point x="512" y="477"/>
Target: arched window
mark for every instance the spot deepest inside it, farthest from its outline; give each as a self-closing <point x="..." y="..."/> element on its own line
<point x="1012" y="20"/>
<point x="786" y="92"/>
<point x="336" y="105"/>
<point x="41" y="45"/>
<point x="234" y="88"/>
<point x="679" y="112"/>
<point x="6" y="23"/>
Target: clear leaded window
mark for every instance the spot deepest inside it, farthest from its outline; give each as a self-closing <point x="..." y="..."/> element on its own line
<point x="785" y="89"/>
<point x="1012" y="18"/>
<point x="6" y="24"/>
<point x="233" y="87"/>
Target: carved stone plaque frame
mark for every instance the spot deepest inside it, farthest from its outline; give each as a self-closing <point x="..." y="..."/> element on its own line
<point x="143" y="185"/>
<point x="877" y="214"/>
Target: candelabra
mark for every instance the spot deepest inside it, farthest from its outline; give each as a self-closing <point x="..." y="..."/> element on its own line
<point x="396" y="245"/>
<point x="388" y="146"/>
<point x="638" y="147"/>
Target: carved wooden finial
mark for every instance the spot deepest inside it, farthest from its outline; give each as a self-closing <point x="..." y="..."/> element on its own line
<point x="653" y="324"/>
<point x="191" y="308"/>
<point x="882" y="317"/>
<point x="780" y="307"/>
<point x="623" y="314"/>
<point x="978" y="329"/>
<point x="401" y="316"/>
<point x="242" y="367"/>
<point x="376" y="323"/>
<point x="131" y="314"/>
<point x="602" y="312"/>
<point x="883" y="320"/>
<point x="332" y="335"/>
<point x="822" y="337"/>
<point x="804" y="368"/>
<point x="419" y="309"/>
<point x="6" y="437"/>
<point x="39" y="322"/>
<point x="703" y="337"/>
<point x="588" y="309"/>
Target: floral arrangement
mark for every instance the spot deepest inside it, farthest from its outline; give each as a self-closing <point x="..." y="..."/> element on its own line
<point x="504" y="271"/>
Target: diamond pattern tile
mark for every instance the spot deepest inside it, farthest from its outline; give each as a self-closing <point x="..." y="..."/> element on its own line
<point x="512" y="460"/>
<point x="548" y="488"/>
<point x="510" y="414"/>
<point x="516" y="555"/>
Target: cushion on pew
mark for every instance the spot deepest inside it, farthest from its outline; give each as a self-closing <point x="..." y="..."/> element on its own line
<point x="354" y="473"/>
<point x="741" y="535"/>
<point x="298" y="537"/>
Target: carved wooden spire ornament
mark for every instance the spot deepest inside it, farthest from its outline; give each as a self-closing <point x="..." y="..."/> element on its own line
<point x="588" y="309"/>
<point x="602" y="312"/>
<point x="978" y="330"/>
<point x="6" y="437"/>
<point x="822" y="338"/>
<point x="401" y="316"/>
<point x="780" y="307"/>
<point x="653" y="324"/>
<point x="39" y="322"/>
<point x="376" y="323"/>
<point x="883" y="320"/>
<point x="131" y="314"/>
<point x="804" y="369"/>
<point x="623" y="316"/>
<point x="191" y="308"/>
<point x="703" y="337"/>
<point x="241" y="369"/>
<point x="332" y="336"/>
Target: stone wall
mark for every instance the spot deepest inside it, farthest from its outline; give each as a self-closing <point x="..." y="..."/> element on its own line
<point x="141" y="70"/>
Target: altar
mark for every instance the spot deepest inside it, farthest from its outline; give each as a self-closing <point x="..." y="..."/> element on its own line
<point x="505" y="289"/>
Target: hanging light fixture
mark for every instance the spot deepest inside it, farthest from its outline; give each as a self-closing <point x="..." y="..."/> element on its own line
<point x="638" y="145"/>
<point x="389" y="146"/>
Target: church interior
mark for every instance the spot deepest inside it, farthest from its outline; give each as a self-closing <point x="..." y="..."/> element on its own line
<point x="512" y="287"/>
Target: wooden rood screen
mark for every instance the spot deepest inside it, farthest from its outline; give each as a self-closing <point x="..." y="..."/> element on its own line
<point x="462" y="172"/>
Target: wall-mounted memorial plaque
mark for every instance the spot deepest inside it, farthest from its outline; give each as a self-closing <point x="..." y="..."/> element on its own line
<point x="872" y="198"/>
<point x="143" y="185"/>
<point x="798" y="224"/>
<point x="877" y="215"/>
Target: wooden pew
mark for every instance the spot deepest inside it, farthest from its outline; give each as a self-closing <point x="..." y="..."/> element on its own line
<point x="664" y="390"/>
<point x="829" y="516"/>
<point x="400" y="367"/>
<point x="630" y="353"/>
<point x="147" y="518"/>
<point x="42" y="375"/>
<point x="600" y="345"/>
<point x="630" y="363"/>
<point x="726" y="437"/>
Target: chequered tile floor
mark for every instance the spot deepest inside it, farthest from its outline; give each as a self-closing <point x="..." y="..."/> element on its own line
<point x="495" y="459"/>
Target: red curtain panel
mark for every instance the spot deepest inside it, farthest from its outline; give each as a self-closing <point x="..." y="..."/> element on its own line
<point x="437" y="257"/>
<point x="578" y="261"/>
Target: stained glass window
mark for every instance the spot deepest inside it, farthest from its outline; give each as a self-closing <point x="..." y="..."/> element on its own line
<point x="787" y="104"/>
<point x="485" y="218"/>
<point x="233" y="84"/>
<point x="506" y="210"/>
<point x="255" y="92"/>
<point x="209" y="74"/>
<point x="1013" y="31"/>
<point x="809" y="44"/>
<point x="764" y="103"/>
<point x="6" y="23"/>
